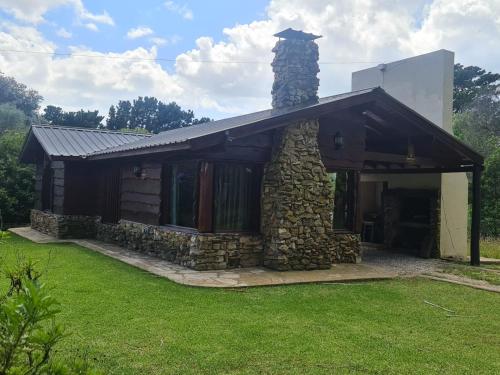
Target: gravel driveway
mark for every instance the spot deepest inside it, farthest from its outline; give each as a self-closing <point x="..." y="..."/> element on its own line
<point x="405" y="265"/>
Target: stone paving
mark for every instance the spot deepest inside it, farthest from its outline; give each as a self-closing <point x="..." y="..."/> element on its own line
<point x="234" y="278"/>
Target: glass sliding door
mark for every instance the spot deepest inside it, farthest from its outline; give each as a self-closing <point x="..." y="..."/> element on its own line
<point x="236" y="197"/>
<point x="183" y="194"/>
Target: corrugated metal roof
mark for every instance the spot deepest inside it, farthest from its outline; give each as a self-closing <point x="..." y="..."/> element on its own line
<point x="62" y="141"/>
<point x="191" y="132"/>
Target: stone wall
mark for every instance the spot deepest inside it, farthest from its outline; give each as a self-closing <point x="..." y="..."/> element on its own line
<point x="295" y="68"/>
<point x="297" y="202"/>
<point x="64" y="226"/>
<point x="346" y="248"/>
<point x="200" y="251"/>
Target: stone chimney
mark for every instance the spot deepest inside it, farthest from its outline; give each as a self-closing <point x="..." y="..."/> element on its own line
<point x="295" y="68"/>
<point x="297" y="193"/>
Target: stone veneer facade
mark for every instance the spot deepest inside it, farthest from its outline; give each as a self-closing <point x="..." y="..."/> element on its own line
<point x="346" y="248"/>
<point x="63" y="226"/>
<point x="297" y="193"/>
<point x="297" y="203"/>
<point x="200" y="251"/>
<point x="295" y="68"/>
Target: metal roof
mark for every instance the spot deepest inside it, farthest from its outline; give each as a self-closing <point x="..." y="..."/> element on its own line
<point x="181" y="135"/>
<point x="59" y="141"/>
<point x="66" y="142"/>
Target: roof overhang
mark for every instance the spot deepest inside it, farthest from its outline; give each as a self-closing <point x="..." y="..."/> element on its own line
<point x="359" y="101"/>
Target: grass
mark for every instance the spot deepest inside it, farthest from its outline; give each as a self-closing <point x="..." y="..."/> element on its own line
<point x="490" y="248"/>
<point x="489" y="274"/>
<point x="134" y="323"/>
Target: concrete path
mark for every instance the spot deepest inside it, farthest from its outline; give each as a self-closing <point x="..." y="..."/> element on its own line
<point x="234" y="278"/>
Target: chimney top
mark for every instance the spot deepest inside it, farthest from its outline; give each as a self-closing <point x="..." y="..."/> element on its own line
<point x="296" y="34"/>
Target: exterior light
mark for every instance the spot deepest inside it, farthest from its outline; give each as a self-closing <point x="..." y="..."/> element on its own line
<point x="338" y="141"/>
<point x="410" y="157"/>
<point x="137" y="171"/>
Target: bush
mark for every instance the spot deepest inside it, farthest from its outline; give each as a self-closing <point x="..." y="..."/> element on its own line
<point x="490" y="200"/>
<point x="28" y="331"/>
<point x="16" y="180"/>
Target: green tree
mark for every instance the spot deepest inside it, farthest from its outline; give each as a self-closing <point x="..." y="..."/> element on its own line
<point x="477" y="122"/>
<point x="80" y="119"/>
<point x="123" y="111"/>
<point x="53" y="114"/>
<point x="112" y="122"/>
<point x="23" y="98"/>
<point x="490" y="191"/>
<point x="11" y="117"/>
<point x="16" y="180"/>
<point x="172" y="116"/>
<point x="469" y="82"/>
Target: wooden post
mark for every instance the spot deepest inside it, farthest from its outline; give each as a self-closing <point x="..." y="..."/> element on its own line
<point x="476" y="216"/>
<point x="206" y="197"/>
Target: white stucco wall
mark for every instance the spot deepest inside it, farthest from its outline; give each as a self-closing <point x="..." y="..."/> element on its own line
<point x="425" y="84"/>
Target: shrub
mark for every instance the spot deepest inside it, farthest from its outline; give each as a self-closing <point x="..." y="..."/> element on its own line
<point x="28" y="330"/>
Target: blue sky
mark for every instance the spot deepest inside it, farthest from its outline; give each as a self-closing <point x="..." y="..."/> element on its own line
<point x="103" y="65"/>
<point x="208" y="18"/>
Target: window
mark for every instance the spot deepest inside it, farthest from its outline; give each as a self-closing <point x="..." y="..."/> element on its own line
<point x="181" y="193"/>
<point x="344" y="202"/>
<point x="236" y="197"/>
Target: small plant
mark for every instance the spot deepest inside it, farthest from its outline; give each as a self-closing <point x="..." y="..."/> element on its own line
<point x="28" y="331"/>
<point x="3" y="235"/>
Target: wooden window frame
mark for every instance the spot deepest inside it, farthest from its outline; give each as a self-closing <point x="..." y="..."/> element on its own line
<point x="165" y="202"/>
<point x="205" y="214"/>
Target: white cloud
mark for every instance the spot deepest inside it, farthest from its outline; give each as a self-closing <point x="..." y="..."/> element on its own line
<point x="139" y="32"/>
<point x="84" y="14"/>
<point x="171" y="40"/>
<point x="63" y="33"/>
<point x="354" y="31"/>
<point x="91" y="26"/>
<point x="182" y="10"/>
<point x="469" y="27"/>
<point x="33" y="11"/>
<point x="80" y="80"/>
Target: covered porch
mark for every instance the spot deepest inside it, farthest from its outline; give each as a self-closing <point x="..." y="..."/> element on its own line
<point x="391" y="162"/>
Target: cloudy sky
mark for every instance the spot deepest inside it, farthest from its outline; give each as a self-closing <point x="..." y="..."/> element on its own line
<point x="213" y="56"/>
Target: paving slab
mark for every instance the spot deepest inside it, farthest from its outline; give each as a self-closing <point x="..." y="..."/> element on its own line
<point x="232" y="278"/>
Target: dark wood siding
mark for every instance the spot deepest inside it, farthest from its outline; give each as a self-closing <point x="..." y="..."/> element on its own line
<point x="46" y="187"/>
<point x="58" y="173"/>
<point x="111" y="186"/>
<point x="141" y="195"/>
<point x="80" y="188"/>
<point x="351" y="155"/>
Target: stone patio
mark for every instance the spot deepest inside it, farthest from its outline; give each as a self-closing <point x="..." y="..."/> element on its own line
<point x="233" y="278"/>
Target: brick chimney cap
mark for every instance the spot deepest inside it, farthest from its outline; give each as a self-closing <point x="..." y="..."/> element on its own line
<point x="296" y="34"/>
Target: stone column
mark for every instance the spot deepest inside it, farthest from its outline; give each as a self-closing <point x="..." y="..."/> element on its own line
<point x="297" y="203"/>
<point x="297" y="196"/>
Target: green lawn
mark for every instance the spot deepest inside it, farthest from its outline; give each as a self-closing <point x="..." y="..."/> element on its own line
<point x="490" y="248"/>
<point x="134" y="323"/>
<point x="488" y="273"/>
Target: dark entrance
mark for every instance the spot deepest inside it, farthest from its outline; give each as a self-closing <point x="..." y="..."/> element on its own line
<point x="111" y="202"/>
<point x="411" y="221"/>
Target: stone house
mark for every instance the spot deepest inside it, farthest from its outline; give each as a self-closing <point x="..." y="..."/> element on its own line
<point x="281" y="188"/>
